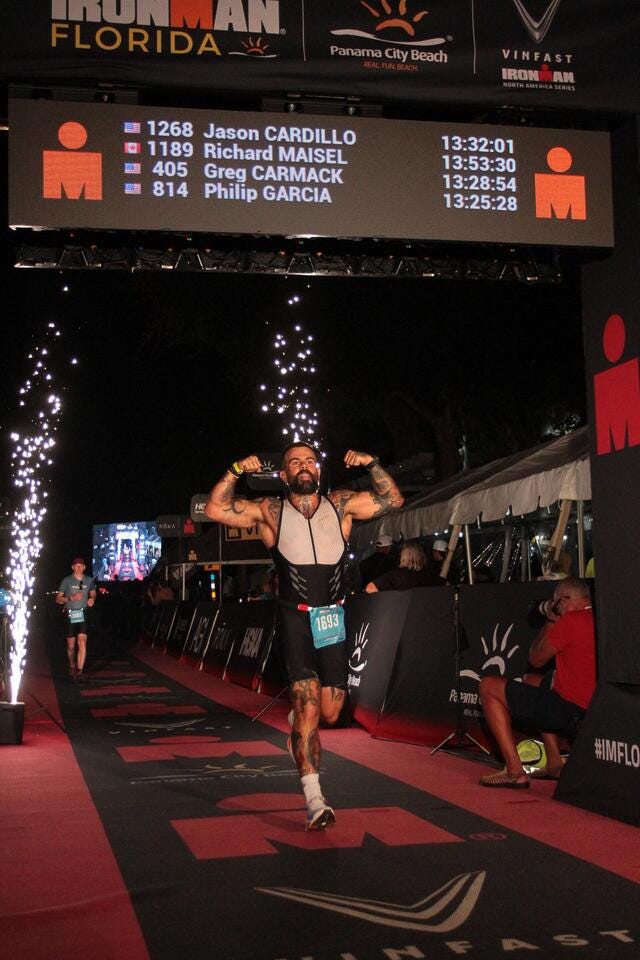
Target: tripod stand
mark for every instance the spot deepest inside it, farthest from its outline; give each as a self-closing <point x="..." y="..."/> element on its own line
<point x="458" y="739"/>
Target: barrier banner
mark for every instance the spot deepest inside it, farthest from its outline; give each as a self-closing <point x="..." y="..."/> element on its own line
<point x="405" y="644"/>
<point x="165" y="622"/>
<point x="508" y="52"/>
<point x="610" y="297"/>
<point x="272" y="676"/>
<point x="374" y="626"/>
<point x="417" y="706"/>
<point x="149" y="622"/>
<point x="200" y="631"/>
<point x="177" y="636"/>
<point x="252" y="625"/>
<point x="603" y="770"/>
<point x="498" y="624"/>
<point x="220" y="646"/>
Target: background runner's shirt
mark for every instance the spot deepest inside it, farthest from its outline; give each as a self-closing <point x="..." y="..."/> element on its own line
<point x="309" y="555"/>
<point x="71" y="584"/>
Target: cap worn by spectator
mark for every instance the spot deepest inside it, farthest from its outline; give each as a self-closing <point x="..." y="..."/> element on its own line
<point x="77" y="560"/>
<point x="384" y="540"/>
<point x="441" y="545"/>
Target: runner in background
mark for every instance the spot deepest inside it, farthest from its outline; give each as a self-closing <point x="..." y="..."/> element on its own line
<point x="77" y="593"/>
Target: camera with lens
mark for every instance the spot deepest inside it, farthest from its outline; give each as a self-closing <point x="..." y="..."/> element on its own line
<point x="546" y="607"/>
<point x="539" y="611"/>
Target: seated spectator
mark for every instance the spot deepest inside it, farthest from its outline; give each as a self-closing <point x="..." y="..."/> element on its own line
<point x="411" y="572"/>
<point x="556" y="707"/>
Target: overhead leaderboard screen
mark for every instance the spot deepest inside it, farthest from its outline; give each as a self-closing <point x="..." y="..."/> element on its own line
<point x="118" y="167"/>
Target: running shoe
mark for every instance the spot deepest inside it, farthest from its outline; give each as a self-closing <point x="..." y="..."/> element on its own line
<point x="320" y="815"/>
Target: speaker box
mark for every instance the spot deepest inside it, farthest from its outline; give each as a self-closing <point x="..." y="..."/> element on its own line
<point x="11" y="722"/>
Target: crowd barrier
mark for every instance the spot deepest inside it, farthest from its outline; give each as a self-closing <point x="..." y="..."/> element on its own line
<point x="402" y="648"/>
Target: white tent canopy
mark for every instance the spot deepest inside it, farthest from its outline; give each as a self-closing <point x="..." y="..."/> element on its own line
<point x="521" y="483"/>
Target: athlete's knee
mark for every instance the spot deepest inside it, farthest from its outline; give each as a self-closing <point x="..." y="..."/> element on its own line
<point x="492" y="687"/>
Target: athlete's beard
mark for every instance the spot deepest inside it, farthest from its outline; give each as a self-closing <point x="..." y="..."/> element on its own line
<point x="303" y="486"/>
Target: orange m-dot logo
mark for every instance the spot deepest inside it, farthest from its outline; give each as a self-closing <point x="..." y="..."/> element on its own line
<point x="560" y="195"/>
<point x="71" y="173"/>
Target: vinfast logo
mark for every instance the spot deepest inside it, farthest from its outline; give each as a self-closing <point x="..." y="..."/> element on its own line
<point x="537" y="29"/>
<point x="444" y="910"/>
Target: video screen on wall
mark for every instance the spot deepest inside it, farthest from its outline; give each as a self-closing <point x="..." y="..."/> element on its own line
<point x="125" y="551"/>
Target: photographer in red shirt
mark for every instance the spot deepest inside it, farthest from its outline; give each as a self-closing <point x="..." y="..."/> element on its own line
<point x="555" y="703"/>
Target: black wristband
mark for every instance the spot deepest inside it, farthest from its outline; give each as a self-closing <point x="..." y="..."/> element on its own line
<point x="372" y="463"/>
<point x="235" y="469"/>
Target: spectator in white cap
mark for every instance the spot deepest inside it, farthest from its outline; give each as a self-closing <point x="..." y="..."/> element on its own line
<point x="384" y="559"/>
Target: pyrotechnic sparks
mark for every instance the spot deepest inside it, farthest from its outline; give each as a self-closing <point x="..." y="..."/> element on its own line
<point x="291" y="398"/>
<point x="30" y="460"/>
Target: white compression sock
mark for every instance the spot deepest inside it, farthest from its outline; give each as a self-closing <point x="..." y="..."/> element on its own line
<point x="311" y="786"/>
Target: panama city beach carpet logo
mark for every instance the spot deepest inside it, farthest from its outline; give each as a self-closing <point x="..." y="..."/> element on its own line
<point x="537" y="68"/>
<point x="397" y="35"/>
<point x="197" y="28"/>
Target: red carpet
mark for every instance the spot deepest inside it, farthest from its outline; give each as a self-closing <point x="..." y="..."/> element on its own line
<point x="165" y="824"/>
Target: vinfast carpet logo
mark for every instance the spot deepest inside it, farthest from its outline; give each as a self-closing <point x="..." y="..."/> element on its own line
<point x="390" y="34"/>
<point x="357" y="663"/>
<point x="529" y="69"/>
<point x="167" y="27"/>
<point x="446" y="909"/>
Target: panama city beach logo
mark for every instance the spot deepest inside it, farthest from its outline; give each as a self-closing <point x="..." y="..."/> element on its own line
<point x="167" y="27"/>
<point x="497" y="653"/>
<point x="531" y="69"/>
<point x="390" y="35"/>
<point x="357" y="661"/>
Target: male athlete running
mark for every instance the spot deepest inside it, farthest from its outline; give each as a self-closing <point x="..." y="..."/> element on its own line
<point x="306" y="534"/>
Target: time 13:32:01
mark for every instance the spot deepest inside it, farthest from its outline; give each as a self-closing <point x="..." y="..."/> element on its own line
<point x="472" y="144"/>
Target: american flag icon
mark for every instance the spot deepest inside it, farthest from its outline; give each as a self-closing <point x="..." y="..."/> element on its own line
<point x="132" y="168"/>
<point x="130" y="127"/>
<point x="131" y="146"/>
<point x="132" y="188"/>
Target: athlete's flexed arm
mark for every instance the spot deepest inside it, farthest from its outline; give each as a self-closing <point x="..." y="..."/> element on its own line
<point x="367" y="504"/>
<point x="233" y="511"/>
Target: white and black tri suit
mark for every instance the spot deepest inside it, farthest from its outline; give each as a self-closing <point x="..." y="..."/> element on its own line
<point x="309" y="556"/>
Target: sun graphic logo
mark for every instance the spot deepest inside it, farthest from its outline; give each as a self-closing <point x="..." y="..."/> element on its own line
<point x="357" y="663"/>
<point x="254" y="49"/>
<point x="497" y="654"/>
<point x="400" y="20"/>
<point x="390" y="21"/>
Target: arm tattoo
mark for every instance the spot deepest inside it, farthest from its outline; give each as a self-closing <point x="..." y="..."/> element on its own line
<point x="275" y="509"/>
<point x="380" y="479"/>
<point x="384" y="503"/>
<point x="228" y="486"/>
<point x="341" y="503"/>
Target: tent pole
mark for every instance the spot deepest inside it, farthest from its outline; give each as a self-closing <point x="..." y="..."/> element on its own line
<point x="556" y="539"/>
<point x="453" y="541"/>
<point x="467" y="546"/>
<point x="508" y="546"/>
<point x="580" y="526"/>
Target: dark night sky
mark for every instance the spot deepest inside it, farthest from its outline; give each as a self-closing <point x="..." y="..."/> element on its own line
<point x="166" y="391"/>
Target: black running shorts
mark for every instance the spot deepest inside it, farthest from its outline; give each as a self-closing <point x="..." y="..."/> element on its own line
<point x="300" y="658"/>
<point x="543" y="708"/>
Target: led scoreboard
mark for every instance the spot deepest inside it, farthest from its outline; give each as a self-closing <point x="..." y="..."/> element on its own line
<point x="118" y="167"/>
